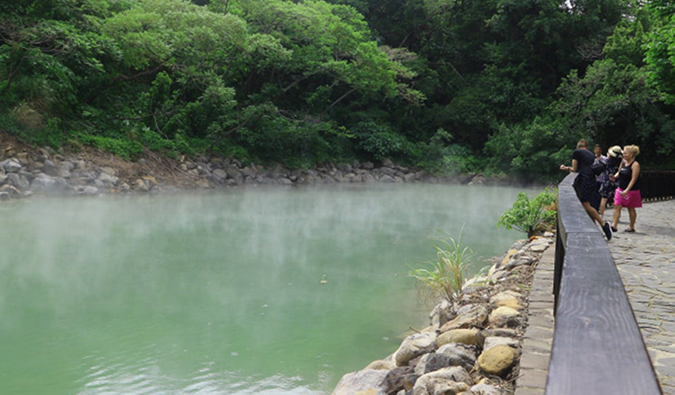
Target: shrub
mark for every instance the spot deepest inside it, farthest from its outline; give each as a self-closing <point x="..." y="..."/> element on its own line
<point x="379" y="141"/>
<point x="530" y="216"/>
<point x="126" y="149"/>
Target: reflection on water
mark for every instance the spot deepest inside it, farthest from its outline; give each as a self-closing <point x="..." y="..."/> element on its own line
<point x="250" y="291"/>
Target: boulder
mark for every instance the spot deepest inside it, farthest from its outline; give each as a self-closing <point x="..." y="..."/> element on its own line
<point x="445" y="381"/>
<point x="386" y="178"/>
<point x="22" y="157"/>
<point x="10" y="191"/>
<point x="124" y="188"/>
<point x="409" y="177"/>
<point x="364" y="382"/>
<point x="436" y="361"/>
<point x="504" y="317"/>
<point x="86" y="190"/>
<point x="507" y="299"/>
<point x="441" y="313"/>
<point x="81" y="165"/>
<point x="497" y="360"/>
<point x="219" y="174"/>
<point x="401" y="378"/>
<point x="11" y="165"/>
<point x="368" y="178"/>
<point x="501" y="332"/>
<point x="381" y="364"/>
<point x="51" y="169"/>
<point x="464" y="336"/>
<point x="494" y="341"/>
<point x="473" y="316"/>
<point x="414" y="346"/>
<point x="507" y="258"/>
<point x="485" y="389"/>
<point x="465" y="352"/>
<point x="249" y="172"/>
<point x="139" y="185"/>
<point x="18" y="180"/>
<point x="44" y="183"/>
<point x="522" y="259"/>
<point x="108" y="179"/>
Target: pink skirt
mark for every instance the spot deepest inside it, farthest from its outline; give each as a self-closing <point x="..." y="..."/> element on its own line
<point x="632" y="199"/>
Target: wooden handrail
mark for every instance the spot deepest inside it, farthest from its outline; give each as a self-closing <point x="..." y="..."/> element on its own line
<point x="597" y="344"/>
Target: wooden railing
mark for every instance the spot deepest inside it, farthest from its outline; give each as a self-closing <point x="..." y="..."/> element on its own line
<point x="657" y="185"/>
<point x="597" y="344"/>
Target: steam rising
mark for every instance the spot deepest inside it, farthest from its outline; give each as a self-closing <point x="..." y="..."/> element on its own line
<point x="213" y="292"/>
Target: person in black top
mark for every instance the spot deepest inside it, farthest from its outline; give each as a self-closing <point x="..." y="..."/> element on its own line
<point x="585" y="184"/>
<point x="609" y="184"/>
<point x="600" y="160"/>
<point x="628" y="193"/>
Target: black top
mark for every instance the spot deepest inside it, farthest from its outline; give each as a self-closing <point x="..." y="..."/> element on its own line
<point x="625" y="174"/>
<point x="585" y="159"/>
<point x="613" y="164"/>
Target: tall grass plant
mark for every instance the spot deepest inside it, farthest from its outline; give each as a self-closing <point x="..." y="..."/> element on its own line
<point x="445" y="276"/>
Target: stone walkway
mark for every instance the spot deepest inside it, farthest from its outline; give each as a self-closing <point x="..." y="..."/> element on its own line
<point x="538" y="338"/>
<point x="646" y="262"/>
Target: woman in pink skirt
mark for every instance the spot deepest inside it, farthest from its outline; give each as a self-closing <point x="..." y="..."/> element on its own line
<point x="628" y="193"/>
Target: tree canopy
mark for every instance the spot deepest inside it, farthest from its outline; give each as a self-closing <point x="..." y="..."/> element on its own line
<point x="498" y="86"/>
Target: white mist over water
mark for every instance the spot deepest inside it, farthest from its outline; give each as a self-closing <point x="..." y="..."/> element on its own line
<point x="222" y="293"/>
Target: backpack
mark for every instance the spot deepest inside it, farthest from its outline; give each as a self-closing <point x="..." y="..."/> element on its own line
<point x="598" y="167"/>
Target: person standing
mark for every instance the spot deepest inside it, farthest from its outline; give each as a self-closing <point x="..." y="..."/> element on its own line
<point x="609" y="184"/>
<point x="601" y="160"/>
<point x="585" y="185"/>
<point x="628" y="192"/>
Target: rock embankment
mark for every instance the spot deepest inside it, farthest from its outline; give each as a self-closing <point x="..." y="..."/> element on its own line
<point x="472" y="346"/>
<point x="25" y="171"/>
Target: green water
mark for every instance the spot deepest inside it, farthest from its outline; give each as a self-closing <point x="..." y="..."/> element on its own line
<point x="222" y="293"/>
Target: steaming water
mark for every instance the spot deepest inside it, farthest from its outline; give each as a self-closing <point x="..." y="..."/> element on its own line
<point x="253" y="291"/>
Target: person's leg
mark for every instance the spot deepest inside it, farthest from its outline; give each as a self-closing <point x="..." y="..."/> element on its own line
<point x="593" y="213"/>
<point x="632" y="216"/>
<point x="603" y="204"/>
<point x="594" y="197"/>
<point x="617" y="215"/>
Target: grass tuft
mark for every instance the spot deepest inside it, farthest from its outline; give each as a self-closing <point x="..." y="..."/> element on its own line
<point x="446" y="275"/>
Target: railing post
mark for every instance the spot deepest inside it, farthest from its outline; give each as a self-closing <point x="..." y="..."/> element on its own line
<point x="558" y="265"/>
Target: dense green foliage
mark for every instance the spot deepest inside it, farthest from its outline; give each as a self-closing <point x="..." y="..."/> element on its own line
<point x="530" y="215"/>
<point x="500" y="86"/>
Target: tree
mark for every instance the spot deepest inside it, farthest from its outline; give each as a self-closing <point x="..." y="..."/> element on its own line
<point x="661" y="48"/>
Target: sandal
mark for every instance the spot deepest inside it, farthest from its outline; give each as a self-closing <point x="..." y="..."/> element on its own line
<point x="614" y="229"/>
<point x="629" y="230"/>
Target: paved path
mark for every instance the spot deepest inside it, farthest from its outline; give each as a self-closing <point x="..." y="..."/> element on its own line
<point x="646" y="262"/>
<point x="538" y="338"/>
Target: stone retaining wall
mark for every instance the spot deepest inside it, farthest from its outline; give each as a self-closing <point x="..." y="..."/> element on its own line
<point x="43" y="171"/>
<point x="473" y="344"/>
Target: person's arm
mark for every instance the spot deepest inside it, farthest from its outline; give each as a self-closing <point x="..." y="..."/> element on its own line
<point x="618" y="170"/>
<point x="572" y="168"/>
<point x="633" y="179"/>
